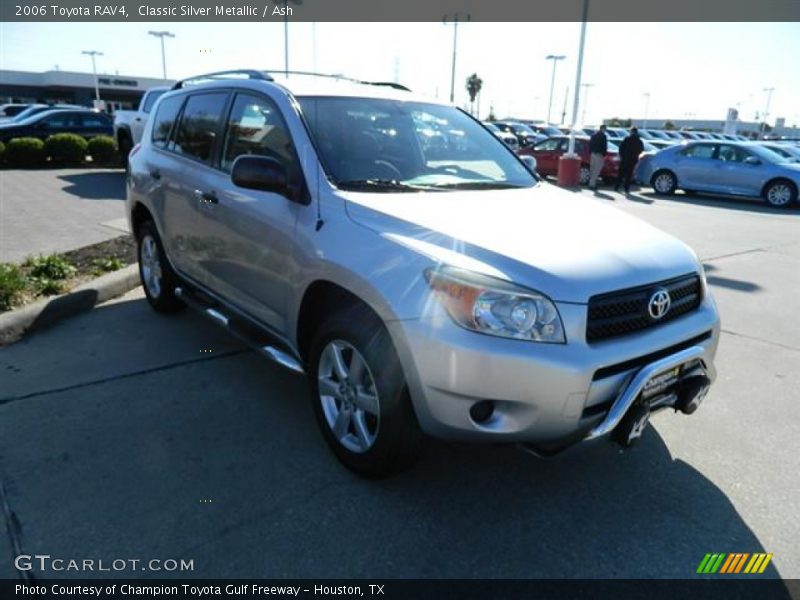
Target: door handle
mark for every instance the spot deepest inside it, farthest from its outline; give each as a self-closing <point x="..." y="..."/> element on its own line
<point x="155" y="174"/>
<point x="206" y="197"/>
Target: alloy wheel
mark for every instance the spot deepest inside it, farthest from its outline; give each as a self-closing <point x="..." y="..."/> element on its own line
<point x="151" y="265"/>
<point x="779" y="194"/>
<point x="348" y="396"/>
<point x="663" y="183"/>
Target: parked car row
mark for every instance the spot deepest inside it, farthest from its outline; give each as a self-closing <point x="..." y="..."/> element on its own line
<point x="42" y="124"/>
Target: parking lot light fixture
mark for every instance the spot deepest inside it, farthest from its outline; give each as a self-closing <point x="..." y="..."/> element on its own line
<point x="555" y="58"/>
<point x="94" y="53"/>
<point x="161" y="35"/>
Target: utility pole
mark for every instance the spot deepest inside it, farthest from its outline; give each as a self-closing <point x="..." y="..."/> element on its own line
<point x="161" y="35"/>
<point x="555" y="58"/>
<point x="455" y="18"/>
<point x="763" y="126"/>
<point x="94" y="53"/>
<point x="286" y="33"/>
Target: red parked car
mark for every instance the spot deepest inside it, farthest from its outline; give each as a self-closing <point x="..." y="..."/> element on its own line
<point x="547" y="153"/>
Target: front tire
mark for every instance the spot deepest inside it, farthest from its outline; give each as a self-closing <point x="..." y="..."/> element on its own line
<point x="780" y="193"/>
<point x="664" y="182"/>
<point x="360" y="397"/>
<point x="158" y="278"/>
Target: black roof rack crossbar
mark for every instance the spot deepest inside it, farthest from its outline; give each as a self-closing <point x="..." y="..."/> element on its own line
<point x="247" y="73"/>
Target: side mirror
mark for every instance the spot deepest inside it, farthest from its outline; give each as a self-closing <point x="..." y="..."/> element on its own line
<point x="752" y="160"/>
<point x="260" y="173"/>
<point x="530" y="162"/>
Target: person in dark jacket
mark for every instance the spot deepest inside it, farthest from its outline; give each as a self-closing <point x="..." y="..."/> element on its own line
<point x="598" y="146"/>
<point x="629" y="151"/>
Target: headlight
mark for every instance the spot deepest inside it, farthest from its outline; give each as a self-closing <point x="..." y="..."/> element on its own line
<point x="495" y="307"/>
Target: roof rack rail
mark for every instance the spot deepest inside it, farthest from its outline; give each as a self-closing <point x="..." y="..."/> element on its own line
<point x="247" y="73"/>
<point x="396" y="86"/>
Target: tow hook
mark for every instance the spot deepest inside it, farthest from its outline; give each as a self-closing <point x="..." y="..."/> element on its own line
<point x="632" y="425"/>
<point x="692" y="392"/>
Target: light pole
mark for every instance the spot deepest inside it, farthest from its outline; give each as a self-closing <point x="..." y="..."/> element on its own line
<point x="555" y="58"/>
<point x="763" y="126"/>
<point x="286" y="33"/>
<point x="455" y="18"/>
<point x="646" y="108"/>
<point x="161" y="35"/>
<point x="94" y="53"/>
<point x="585" y="87"/>
<point x="571" y="147"/>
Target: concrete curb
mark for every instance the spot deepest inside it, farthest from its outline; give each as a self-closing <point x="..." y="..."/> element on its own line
<point x="43" y="313"/>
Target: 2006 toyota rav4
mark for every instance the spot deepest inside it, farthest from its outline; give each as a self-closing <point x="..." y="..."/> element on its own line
<point x="400" y="254"/>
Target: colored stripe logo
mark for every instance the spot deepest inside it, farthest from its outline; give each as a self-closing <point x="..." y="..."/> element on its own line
<point x="737" y="562"/>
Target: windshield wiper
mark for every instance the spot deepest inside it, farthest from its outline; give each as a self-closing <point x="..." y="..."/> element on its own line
<point x="478" y="185"/>
<point x="387" y="185"/>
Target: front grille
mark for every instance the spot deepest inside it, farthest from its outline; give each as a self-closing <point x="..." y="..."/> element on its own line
<point x="626" y="311"/>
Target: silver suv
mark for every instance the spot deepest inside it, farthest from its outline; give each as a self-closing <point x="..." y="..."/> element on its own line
<point x="426" y="280"/>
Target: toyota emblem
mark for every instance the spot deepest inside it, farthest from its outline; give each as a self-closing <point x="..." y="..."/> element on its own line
<point x="659" y="304"/>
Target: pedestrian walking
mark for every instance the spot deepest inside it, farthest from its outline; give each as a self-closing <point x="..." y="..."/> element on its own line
<point x="629" y="151"/>
<point x="598" y="146"/>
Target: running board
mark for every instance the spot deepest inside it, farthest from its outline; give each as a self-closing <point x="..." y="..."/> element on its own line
<point x="271" y="351"/>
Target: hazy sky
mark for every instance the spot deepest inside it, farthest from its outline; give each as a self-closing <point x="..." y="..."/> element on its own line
<point x="693" y="70"/>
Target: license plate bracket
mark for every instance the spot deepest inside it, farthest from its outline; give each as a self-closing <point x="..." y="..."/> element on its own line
<point x="661" y="382"/>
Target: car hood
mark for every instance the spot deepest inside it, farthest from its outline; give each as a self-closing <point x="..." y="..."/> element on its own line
<point x="562" y="244"/>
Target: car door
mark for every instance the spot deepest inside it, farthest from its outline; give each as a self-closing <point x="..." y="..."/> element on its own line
<point x="736" y="174"/>
<point x="60" y="121"/>
<point x="184" y="133"/>
<point x="251" y="231"/>
<point x="94" y="124"/>
<point x="546" y="154"/>
<point x="695" y="165"/>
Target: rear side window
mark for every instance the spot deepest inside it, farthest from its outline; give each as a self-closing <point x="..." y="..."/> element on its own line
<point x="548" y="145"/>
<point x="97" y="120"/>
<point x="165" y="119"/>
<point x="699" y="151"/>
<point x="199" y="124"/>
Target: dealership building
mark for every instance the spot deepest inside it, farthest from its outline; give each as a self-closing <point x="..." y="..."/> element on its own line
<point x="68" y="87"/>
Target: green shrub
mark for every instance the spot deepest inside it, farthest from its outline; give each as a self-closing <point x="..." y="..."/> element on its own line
<point x="47" y="287"/>
<point x="2" y="151"/>
<point x="66" y="148"/>
<point x="52" y="266"/>
<point x="25" y="152"/>
<point x="12" y="284"/>
<point x="106" y="265"/>
<point x="103" y="149"/>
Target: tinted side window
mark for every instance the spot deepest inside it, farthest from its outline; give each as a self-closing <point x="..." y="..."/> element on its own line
<point x="729" y="153"/>
<point x="151" y="99"/>
<point x="61" y="120"/>
<point x="699" y="151"/>
<point x="547" y="145"/>
<point x="97" y="121"/>
<point x="199" y="124"/>
<point x="165" y="119"/>
<point x="256" y="127"/>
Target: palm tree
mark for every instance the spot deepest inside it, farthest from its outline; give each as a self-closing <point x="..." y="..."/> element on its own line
<point x="474" y="85"/>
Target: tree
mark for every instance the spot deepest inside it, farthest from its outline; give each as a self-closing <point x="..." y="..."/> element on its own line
<point x="669" y="126"/>
<point x="474" y="85"/>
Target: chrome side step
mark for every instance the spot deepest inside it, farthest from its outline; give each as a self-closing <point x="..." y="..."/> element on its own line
<point x="283" y="358"/>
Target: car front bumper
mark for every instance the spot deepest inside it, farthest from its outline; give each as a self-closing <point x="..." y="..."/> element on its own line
<point x="548" y="394"/>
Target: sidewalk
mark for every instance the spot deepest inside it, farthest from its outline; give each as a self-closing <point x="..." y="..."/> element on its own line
<point x="46" y="211"/>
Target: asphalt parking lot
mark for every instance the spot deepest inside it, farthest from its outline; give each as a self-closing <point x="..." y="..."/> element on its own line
<point x="126" y="434"/>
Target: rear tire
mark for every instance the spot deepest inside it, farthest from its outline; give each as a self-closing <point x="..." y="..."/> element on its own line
<point x="664" y="182"/>
<point x="780" y="193"/>
<point x="158" y="278"/>
<point x="360" y="397"/>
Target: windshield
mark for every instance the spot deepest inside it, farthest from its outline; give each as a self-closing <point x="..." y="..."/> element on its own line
<point x="28" y="112"/>
<point x="368" y="144"/>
